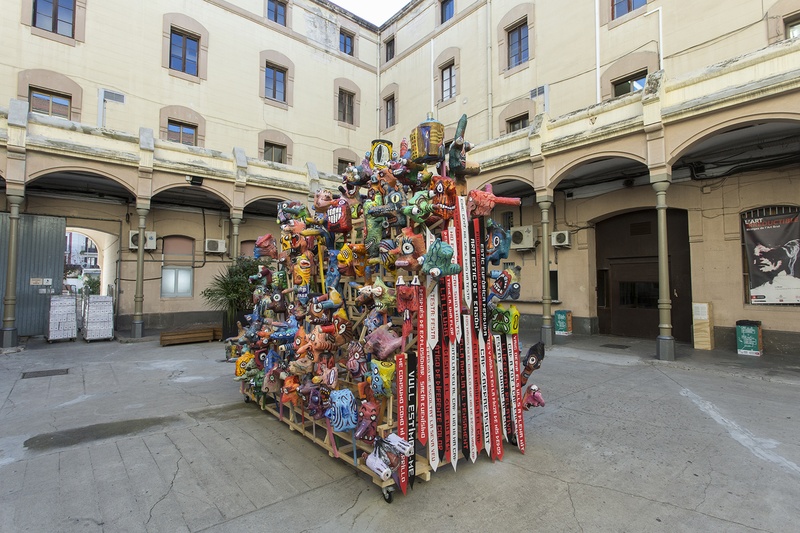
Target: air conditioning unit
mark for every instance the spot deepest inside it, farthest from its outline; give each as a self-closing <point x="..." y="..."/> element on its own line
<point x="561" y="239"/>
<point x="523" y="237"/>
<point x="149" y="240"/>
<point x="215" y="246"/>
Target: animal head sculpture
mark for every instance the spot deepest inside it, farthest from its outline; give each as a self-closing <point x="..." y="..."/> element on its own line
<point x="277" y="301"/>
<point x="241" y="363"/>
<point x="501" y="320"/>
<point x="444" y="197"/>
<point x="480" y="203"/>
<point x="340" y="216"/>
<point x="505" y="285"/>
<point x="457" y="154"/>
<point x="272" y="380"/>
<point x="301" y="273"/>
<point x="410" y="248"/>
<point x="532" y="398"/>
<point x="438" y="261"/>
<point x="420" y="207"/>
<point x="341" y="328"/>
<point x="356" y="359"/>
<point x="382" y="376"/>
<point x="498" y="242"/>
<point x="531" y="362"/>
<point x="263" y="276"/>
<point x="383" y="342"/>
<point x="289" y="390"/>
<point x="367" y="427"/>
<point x="266" y="246"/>
<point x="343" y="411"/>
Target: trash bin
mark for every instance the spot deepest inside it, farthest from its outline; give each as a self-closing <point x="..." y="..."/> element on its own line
<point x="748" y="337"/>
<point x="563" y="322"/>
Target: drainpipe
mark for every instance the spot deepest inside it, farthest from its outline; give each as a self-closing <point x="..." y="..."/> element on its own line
<point x="660" y="37"/>
<point x="597" y="48"/>
<point x="10" y="300"/>
<point x="433" y="77"/>
<point x="137" y="327"/>
<point x="378" y="90"/>
<point x="490" y="96"/>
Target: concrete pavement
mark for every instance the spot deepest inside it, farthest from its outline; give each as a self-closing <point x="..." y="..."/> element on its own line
<point x="138" y="437"/>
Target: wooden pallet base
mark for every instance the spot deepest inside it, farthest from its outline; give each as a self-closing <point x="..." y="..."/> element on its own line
<point x="348" y="448"/>
<point x="188" y="336"/>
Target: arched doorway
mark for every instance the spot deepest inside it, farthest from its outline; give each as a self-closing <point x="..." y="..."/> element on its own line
<point x="627" y="274"/>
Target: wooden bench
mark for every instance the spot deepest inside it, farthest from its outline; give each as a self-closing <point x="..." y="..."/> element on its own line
<point x="188" y="336"/>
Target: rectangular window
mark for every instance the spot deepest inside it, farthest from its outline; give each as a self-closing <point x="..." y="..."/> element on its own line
<point x="448" y="82"/>
<point x="793" y="29"/>
<point x="389" y="50"/>
<point x="346" y="100"/>
<point x="447" y="10"/>
<point x="389" y="111"/>
<point x="184" y="52"/>
<point x="518" y="123"/>
<point x="56" y="16"/>
<point x="181" y="133"/>
<point x="274" y="152"/>
<point x="346" y="43"/>
<point x="276" y="12"/>
<point x="623" y="7"/>
<point x="518" y="45"/>
<point x="275" y="83"/>
<point x="631" y="84"/>
<point x="341" y="166"/>
<point x="176" y="282"/>
<point x="554" y="285"/>
<point x="52" y="104"/>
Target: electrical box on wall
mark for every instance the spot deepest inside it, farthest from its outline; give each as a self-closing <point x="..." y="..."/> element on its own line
<point x="561" y="239"/>
<point x="215" y="246"/>
<point x="149" y="240"/>
<point x="523" y="237"/>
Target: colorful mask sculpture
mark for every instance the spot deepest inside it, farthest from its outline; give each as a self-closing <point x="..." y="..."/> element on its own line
<point x="501" y="320"/>
<point x="340" y="217"/>
<point x="438" y="261"/>
<point x="272" y="381"/>
<point x="383" y="342"/>
<point x="531" y="362"/>
<point x="410" y="248"/>
<point x="382" y="376"/>
<point x="480" y="203"/>
<point x="241" y="363"/>
<point x="457" y="154"/>
<point x="426" y="141"/>
<point x="343" y="410"/>
<point x="532" y="398"/>
<point x="357" y="363"/>
<point x="444" y="197"/>
<point x="367" y="427"/>
<point x="505" y="285"/>
<point x="266" y="247"/>
<point x="499" y="242"/>
<point x="420" y="207"/>
<point x="263" y="276"/>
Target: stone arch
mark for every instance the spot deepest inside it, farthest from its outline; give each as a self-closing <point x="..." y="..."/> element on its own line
<point x="571" y="165"/>
<point x="209" y="187"/>
<point x="95" y="170"/>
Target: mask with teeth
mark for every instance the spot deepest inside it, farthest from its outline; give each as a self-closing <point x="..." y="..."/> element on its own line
<point x="444" y="197"/>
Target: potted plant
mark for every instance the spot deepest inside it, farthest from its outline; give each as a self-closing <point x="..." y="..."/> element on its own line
<point x="230" y="291"/>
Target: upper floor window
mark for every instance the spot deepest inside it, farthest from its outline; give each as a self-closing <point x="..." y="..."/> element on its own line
<point x="275" y="83"/>
<point x="390" y="111"/>
<point x="630" y="84"/>
<point x="518" y="44"/>
<point x="447" y="8"/>
<point x="793" y="28"/>
<point x="276" y="11"/>
<point x="184" y="52"/>
<point x="518" y="123"/>
<point x="346" y="42"/>
<point x="342" y="164"/>
<point x="346" y="106"/>
<point x="56" y="16"/>
<point x="48" y="103"/>
<point x="389" y="49"/>
<point x="623" y="7"/>
<point x="274" y="152"/>
<point x="448" y="82"/>
<point x="182" y="133"/>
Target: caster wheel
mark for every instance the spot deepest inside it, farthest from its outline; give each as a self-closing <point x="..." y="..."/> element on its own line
<point x="246" y="399"/>
<point x="388" y="495"/>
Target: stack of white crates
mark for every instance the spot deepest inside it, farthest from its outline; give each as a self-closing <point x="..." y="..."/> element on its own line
<point x="61" y="320"/>
<point x="98" y="318"/>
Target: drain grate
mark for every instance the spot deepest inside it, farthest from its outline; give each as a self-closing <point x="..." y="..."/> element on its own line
<point x="45" y="373"/>
<point x="617" y="346"/>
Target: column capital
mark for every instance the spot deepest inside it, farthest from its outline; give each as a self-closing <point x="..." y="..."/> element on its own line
<point x="660" y="186"/>
<point x="142" y="211"/>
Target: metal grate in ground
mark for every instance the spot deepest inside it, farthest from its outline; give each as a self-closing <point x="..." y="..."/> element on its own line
<point x="45" y="373"/>
<point x="617" y="346"/>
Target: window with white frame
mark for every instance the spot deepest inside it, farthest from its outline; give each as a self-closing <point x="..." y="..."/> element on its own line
<point x="448" y="81"/>
<point x="793" y="28"/>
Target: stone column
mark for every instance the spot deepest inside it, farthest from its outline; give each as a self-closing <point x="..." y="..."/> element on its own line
<point x="234" y="251"/>
<point x="665" y="343"/>
<point x="9" y="335"/>
<point x="547" y="317"/>
<point x="137" y="327"/>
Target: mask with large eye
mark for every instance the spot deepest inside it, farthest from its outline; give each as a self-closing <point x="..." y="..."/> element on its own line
<point x="498" y="242"/>
<point x="444" y="197"/>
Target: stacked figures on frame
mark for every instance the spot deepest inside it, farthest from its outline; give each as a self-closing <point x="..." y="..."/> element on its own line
<point x="380" y="327"/>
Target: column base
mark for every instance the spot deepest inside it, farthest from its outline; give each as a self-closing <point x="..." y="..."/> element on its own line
<point x="9" y="338"/>
<point x="137" y="330"/>
<point x="665" y="348"/>
<point x="547" y="335"/>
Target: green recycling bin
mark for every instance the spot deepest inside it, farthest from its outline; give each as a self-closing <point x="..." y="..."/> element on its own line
<point x="748" y="337"/>
<point x="563" y="320"/>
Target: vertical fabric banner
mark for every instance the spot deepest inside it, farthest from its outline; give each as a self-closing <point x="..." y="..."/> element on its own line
<point x="772" y="244"/>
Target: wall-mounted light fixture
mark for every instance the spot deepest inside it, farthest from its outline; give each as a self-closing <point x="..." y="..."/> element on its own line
<point x="194" y="180"/>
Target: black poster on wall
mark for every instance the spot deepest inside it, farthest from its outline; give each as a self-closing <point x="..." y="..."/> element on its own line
<point x="772" y="244"/>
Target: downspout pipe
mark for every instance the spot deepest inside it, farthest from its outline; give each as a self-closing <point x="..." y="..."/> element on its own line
<point x="597" y="48"/>
<point x="489" y="78"/>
